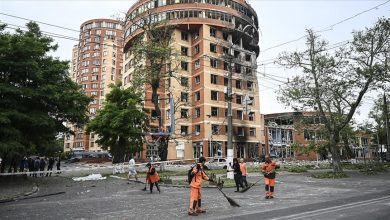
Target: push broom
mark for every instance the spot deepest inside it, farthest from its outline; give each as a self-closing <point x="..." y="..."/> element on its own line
<point x="230" y="200"/>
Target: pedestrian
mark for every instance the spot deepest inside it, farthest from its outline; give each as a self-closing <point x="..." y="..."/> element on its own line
<point x="59" y="165"/>
<point x="30" y="162"/>
<point x="268" y="168"/>
<point x="237" y="174"/>
<point x="243" y="172"/>
<point x="152" y="177"/>
<point x="198" y="175"/>
<point x="37" y="162"/>
<point x="132" y="170"/>
<point x="50" y="166"/>
<point x="22" y="163"/>
<point x="42" y="165"/>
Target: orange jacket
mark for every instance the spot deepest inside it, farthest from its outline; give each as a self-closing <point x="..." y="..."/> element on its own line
<point x="269" y="169"/>
<point x="152" y="178"/>
<point x="243" y="168"/>
<point x="199" y="177"/>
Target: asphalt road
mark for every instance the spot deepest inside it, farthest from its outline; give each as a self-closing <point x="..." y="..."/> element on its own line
<point x="298" y="196"/>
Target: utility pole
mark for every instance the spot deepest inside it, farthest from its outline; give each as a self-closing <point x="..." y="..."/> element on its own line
<point x="229" y="157"/>
<point x="385" y="111"/>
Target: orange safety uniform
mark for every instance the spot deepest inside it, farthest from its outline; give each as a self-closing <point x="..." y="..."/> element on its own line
<point x="244" y="173"/>
<point x="243" y="168"/>
<point x="152" y="178"/>
<point x="269" y="172"/>
<point x="196" y="186"/>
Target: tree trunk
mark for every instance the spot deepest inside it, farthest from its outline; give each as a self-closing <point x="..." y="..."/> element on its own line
<point x="333" y="141"/>
<point x="118" y="151"/>
<point x="163" y="148"/>
<point x="163" y="141"/>
<point x="347" y="148"/>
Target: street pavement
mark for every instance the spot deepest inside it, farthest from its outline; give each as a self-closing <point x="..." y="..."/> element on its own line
<point x="298" y="196"/>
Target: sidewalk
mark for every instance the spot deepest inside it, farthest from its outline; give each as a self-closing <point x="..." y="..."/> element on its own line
<point x="16" y="187"/>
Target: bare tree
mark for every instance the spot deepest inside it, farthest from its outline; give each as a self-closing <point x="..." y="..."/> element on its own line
<point x="335" y="84"/>
<point x="154" y="61"/>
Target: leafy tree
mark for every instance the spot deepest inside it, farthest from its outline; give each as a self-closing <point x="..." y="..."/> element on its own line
<point x="120" y="123"/>
<point x="335" y="84"/>
<point x="36" y="95"/>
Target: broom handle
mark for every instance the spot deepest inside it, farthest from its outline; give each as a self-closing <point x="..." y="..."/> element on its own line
<point x="221" y="192"/>
<point x="256" y="182"/>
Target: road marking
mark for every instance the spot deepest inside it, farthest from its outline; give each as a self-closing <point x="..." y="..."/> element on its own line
<point x="332" y="209"/>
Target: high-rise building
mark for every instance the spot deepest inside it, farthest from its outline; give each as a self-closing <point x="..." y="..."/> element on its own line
<point x="96" y="63"/>
<point x="217" y="39"/>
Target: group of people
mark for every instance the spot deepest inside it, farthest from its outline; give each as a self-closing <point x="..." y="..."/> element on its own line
<point x="198" y="175"/>
<point x="39" y="164"/>
<point x="240" y="172"/>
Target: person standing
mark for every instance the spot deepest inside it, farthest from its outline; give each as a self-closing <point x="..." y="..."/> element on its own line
<point x="132" y="170"/>
<point x="59" y="165"/>
<point x="243" y="172"/>
<point x="30" y="162"/>
<point x="269" y="170"/>
<point x="50" y="166"/>
<point x="37" y="162"/>
<point x="196" y="188"/>
<point x="237" y="174"/>
<point x="21" y="165"/>
<point x="42" y="165"/>
<point x="152" y="177"/>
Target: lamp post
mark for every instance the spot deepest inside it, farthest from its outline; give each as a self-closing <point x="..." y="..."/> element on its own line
<point x="229" y="157"/>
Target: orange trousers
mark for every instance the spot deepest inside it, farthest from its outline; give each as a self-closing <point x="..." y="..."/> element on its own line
<point x="195" y="195"/>
<point x="269" y="186"/>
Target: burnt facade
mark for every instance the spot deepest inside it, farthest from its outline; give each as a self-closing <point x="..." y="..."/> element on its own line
<point x="206" y="33"/>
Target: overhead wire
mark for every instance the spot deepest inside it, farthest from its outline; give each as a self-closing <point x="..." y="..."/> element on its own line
<point x="40" y="22"/>
<point x="330" y="27"/>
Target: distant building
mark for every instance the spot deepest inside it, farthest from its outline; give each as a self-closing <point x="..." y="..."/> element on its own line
<point x="96" y="63"/>
<point x="363" y="147"/>
<point x="284" y="130"/>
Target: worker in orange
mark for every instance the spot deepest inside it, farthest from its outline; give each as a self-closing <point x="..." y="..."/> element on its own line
<point x="268" y="169"/>
<point x="243" y="172"/>
<point x="198" y="176"/>
<point x="152" y="177"/>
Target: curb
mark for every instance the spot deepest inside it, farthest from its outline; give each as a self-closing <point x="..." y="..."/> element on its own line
<point x="23" y="195"/>
<point x="171" y="185"/>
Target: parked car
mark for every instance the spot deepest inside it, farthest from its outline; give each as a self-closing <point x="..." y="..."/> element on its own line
<point x="215" y="163"/>
<point x="273" y="155"/>
<point x="78" y="156"/>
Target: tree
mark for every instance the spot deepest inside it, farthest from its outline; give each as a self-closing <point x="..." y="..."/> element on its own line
<point x="120" y="123"/>
<point x="36" y="94"/>
<point x="335" y="84"/>
<point x="378" y="125"/>
<point x="155" y="60"/>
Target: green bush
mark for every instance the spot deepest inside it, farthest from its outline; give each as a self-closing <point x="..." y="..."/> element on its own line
<point x="369" y="168"/>
<point x="329" y="175"/>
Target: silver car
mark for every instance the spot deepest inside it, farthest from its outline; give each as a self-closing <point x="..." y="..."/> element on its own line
<point x="215" y="163"/>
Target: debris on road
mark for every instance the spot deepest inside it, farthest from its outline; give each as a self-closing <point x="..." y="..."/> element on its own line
<point x="90" y="177"/>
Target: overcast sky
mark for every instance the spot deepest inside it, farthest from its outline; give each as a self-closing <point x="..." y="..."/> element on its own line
<point x="280" y="22"/>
